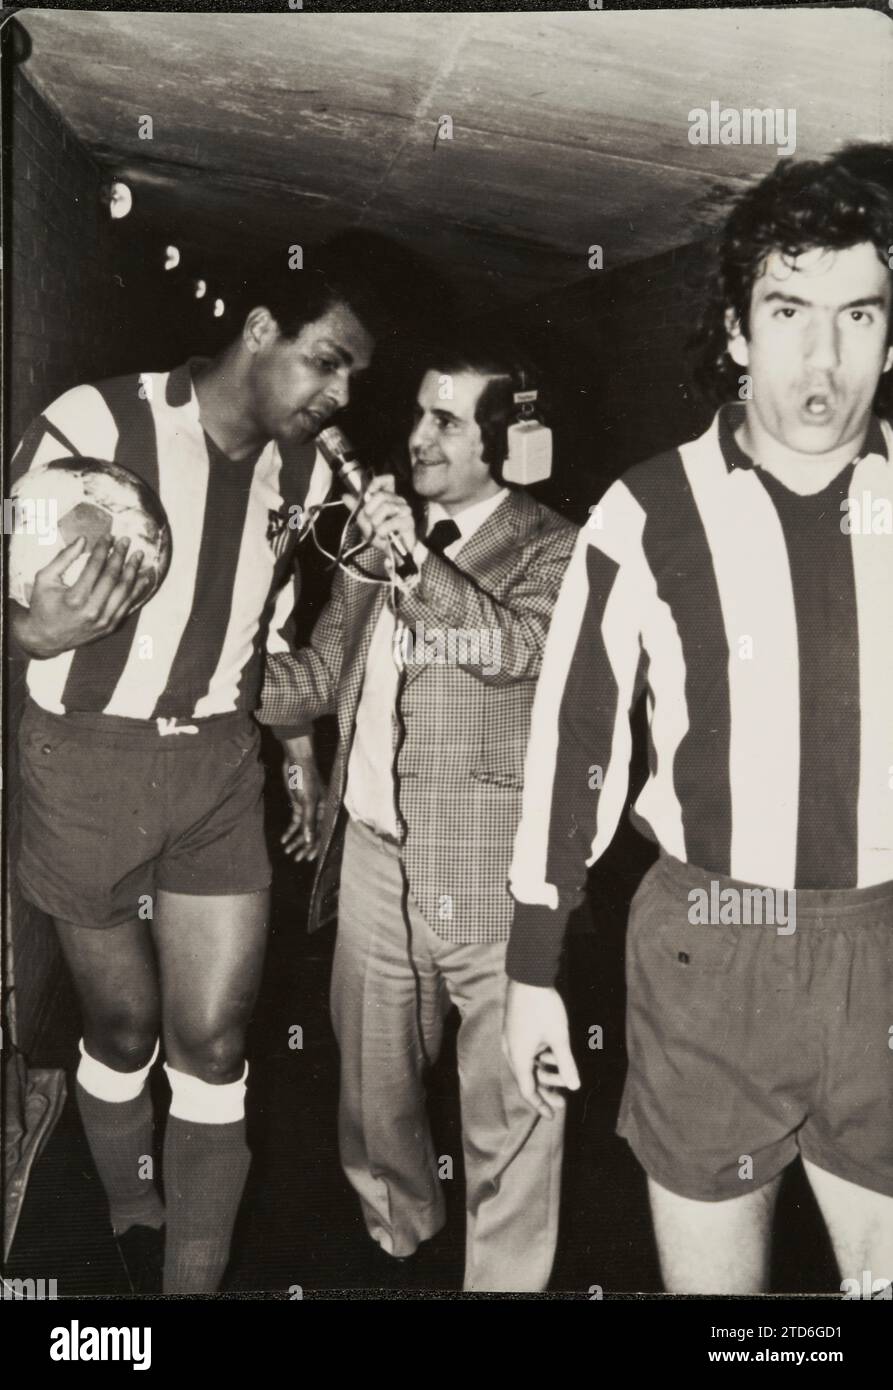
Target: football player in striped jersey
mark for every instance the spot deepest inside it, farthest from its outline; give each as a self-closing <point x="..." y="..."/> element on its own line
<point x="726" y="580"/>
<point x="142" y="834"/>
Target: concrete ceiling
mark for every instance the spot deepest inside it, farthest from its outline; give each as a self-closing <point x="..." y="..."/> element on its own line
<point x="568" y="129"/>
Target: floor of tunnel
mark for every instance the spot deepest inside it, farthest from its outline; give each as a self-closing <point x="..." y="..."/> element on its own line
<point x="300" y="1225"/>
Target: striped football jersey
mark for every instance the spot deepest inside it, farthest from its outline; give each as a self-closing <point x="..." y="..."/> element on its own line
<point x="196" y="648"/>
<point x="759" y="624"/>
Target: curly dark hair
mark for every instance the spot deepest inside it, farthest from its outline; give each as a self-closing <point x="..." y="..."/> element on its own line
<point x="835" y="203"/>
<point x="296" y="298"/>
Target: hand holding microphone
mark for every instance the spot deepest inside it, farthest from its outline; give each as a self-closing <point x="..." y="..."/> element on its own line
<point x="384" y="518"/>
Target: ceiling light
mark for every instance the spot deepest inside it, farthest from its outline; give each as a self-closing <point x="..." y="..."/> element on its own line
<point x="120" y="200"/>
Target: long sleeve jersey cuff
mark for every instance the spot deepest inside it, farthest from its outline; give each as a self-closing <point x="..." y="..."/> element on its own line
<point x="534" y="950"/>
<point x="284" y="731"/>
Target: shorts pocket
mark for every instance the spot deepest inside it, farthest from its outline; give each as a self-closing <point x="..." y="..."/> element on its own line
<point x="661" y="932"/>
<point x="45" y="750"/>
<point x="40" y="738"/>
<point x="696" y="948"/>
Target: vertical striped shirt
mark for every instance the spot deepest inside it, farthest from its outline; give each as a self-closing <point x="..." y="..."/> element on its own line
<point x="196" y="648"/>
<point x="759" y="624"/>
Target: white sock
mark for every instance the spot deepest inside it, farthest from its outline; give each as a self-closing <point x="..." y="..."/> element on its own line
<point x="201" y="1103"/>
<point x="104" y="1083"/>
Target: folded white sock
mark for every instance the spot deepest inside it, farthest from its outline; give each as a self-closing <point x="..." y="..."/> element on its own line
<point x="104" y="1083"/>
<point x="204" y="1104"/>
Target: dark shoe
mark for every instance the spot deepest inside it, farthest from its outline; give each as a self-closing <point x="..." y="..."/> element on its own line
<point x="142" y="1252"/>
<point x="389" y="1271"/>
<point x="439" y="1261"/>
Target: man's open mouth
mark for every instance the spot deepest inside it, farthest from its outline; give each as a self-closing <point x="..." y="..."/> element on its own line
<point x="818" y="406"/>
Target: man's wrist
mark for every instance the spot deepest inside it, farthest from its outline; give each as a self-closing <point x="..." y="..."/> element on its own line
<point x="26" y="638"/>
<point x="299" y="748"/>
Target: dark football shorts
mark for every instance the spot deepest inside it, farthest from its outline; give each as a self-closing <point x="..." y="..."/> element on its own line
<point x="749" y="1042"/>
<point x="113" y="809"/>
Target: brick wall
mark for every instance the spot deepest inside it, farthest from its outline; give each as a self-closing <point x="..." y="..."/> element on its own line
<point x="65" y="314"/>
<point x="65" y="325"/>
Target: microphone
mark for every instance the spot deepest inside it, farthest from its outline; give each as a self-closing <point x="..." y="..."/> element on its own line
<point x="354" y="478"/>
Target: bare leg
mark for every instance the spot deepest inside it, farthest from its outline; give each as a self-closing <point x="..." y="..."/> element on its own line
<point x="714" y="1247"/>
<point x="860" y="1223"/>
<point x="116" y="979"/>
<point x="211" y="952"/>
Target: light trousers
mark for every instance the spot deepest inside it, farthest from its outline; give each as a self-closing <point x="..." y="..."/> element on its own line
<point x="391" y="990"/>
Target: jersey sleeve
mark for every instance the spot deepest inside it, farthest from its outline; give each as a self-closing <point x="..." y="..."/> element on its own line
<point x="577" y="767"/>
<point x="76" y="423"/>
<point x="301" y="687"/>
<point x="306" y="487"/>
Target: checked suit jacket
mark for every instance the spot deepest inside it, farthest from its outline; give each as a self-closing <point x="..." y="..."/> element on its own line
<point x="460" y="728"/>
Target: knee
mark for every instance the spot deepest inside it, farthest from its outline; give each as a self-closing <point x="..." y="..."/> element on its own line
<point x="216" y="1057"/>
<point x="123" y="1040"/>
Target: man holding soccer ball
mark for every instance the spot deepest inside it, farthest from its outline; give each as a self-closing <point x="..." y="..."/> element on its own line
<point x="142" y="831"/>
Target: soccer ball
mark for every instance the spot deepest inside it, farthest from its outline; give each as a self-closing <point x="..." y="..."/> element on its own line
<point x="53" y="504"/>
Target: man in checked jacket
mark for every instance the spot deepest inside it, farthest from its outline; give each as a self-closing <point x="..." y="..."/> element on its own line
<point x="433" y="691"/>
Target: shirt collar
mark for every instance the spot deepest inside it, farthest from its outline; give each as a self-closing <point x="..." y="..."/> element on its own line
<point x="729" y="419"/>
<point x="470" y="518"/>
<point x="180" y="394"/>
<point x="876" y="440"/>
<point x="731" y="416"/>
<point x="180" y="390"/>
